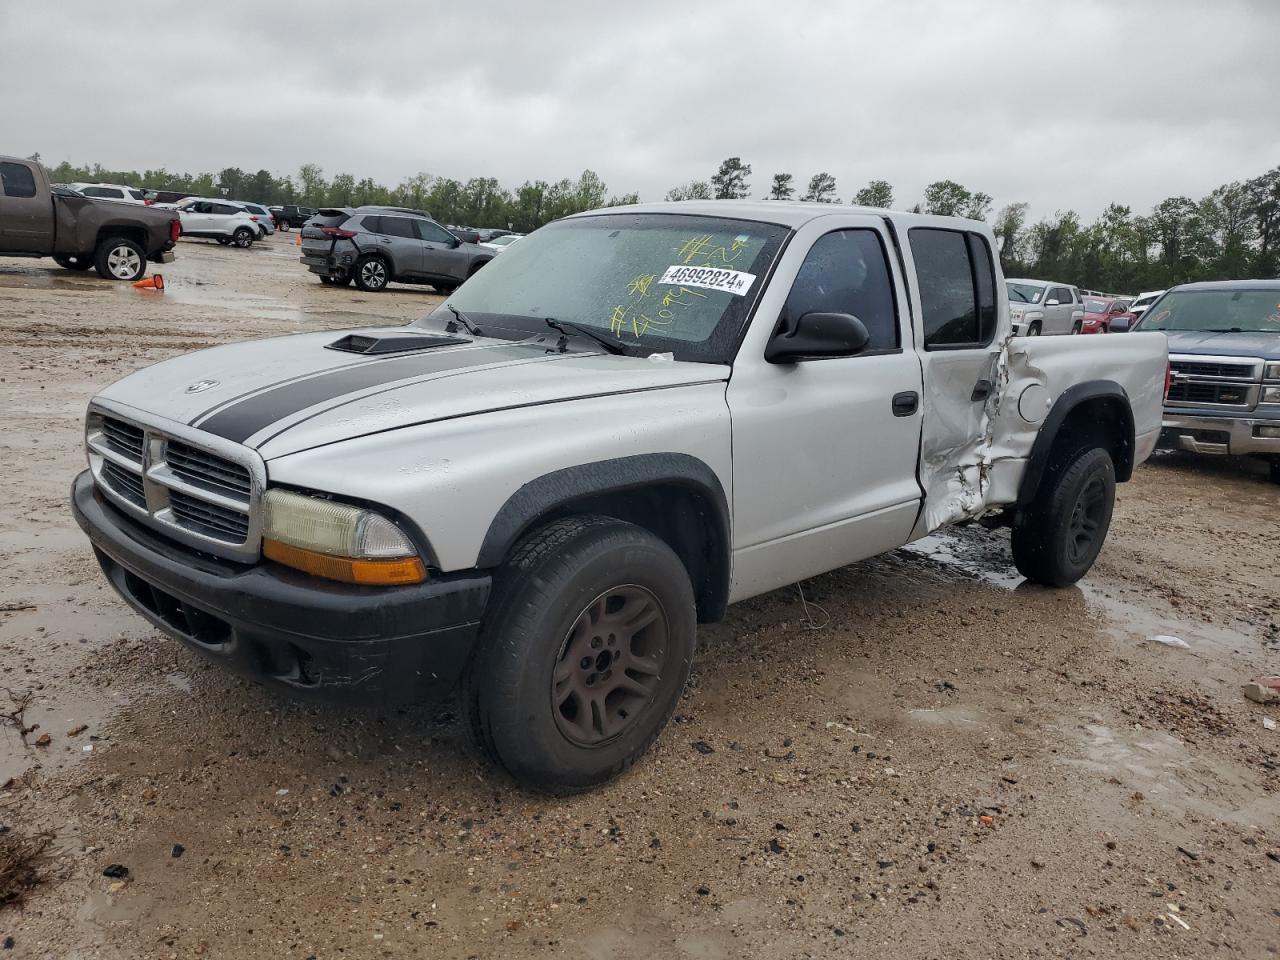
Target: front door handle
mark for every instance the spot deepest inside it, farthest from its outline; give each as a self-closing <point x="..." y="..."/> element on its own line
<point x="905" y="403"/>
<point x="981" y="390"/>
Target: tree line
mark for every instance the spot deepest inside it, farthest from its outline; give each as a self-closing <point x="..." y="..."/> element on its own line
<point x="480" y="201"/>
<point x="1232" y="233"/>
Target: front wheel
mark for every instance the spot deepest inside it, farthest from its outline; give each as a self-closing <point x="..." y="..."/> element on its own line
<point x="1275" y="469"/>
<point x="73" y="262"/>
<point x="119" y="258"/>
<point x="1058" y="537"/>
<point x="584" y="655"/>
<point x="1034" y="329"/>
<point x="372" y="274"/>
<point x="243" y="238"/>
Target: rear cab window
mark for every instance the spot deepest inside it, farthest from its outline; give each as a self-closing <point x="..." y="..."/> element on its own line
<point x="17" y="180"/>
<point x="956" y="276"/>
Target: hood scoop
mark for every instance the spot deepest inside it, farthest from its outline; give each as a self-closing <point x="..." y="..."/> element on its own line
<point x="392" y="343"/>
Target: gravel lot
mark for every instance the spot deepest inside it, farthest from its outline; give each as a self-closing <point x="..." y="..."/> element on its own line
<point x="930" y="760"/>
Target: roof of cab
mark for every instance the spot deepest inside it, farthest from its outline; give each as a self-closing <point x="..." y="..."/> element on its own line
<point x="788" y="213"/>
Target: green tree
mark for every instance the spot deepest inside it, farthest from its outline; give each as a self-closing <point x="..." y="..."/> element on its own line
<point x="783" y="188"/>
<point x="312" y="188"/>
<point x="697" y="190"/>
<point x="946" y="198"/>
<point x="822" y="188"/>
<point x="877" y="193"/>
<point x="730" y="181"/>
<point x="1008" y="230"/>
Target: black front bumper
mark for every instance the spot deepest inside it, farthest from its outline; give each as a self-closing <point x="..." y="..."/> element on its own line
<point x="285" y="628"/>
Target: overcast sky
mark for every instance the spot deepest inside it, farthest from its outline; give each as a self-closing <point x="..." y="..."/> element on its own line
<point x="1062" y="104"/>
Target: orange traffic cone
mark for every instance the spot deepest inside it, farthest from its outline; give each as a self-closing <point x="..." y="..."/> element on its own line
<point x="154" y="282"/>
<point x="297" y="241"/>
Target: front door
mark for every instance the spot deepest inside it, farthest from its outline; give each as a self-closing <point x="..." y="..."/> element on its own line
<point x="26" y="216"/>
<point x="824" y="451"/>
<point x="440" y="251"/>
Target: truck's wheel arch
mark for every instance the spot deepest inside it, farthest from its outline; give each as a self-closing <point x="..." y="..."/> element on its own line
<point x="130" y="231"/>
<point x="1094" y="409"/>
<point x="675" y="496"/>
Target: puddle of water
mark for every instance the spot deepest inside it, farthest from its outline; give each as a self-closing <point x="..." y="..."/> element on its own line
<point x="950" y="550"/>
<point x="246" y="304"/>
<point x="1159" y="766"/>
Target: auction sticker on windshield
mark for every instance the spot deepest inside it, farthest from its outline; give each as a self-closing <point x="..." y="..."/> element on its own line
<point x="710" y="278"/>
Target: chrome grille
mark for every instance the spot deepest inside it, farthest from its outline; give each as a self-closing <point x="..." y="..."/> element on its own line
<point x="193" y="487"/>
<point x="1206" y="381"/>
<point x="208" y="518"/>
<point x="207" y="471"/>
<point x="125" y="483"/>
<point x="124" y="438"/>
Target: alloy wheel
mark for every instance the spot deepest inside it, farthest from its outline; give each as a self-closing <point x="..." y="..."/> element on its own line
<point x="610" y="665"/>
<point x="124" y="262"/>
<point x="1086" y="520"/>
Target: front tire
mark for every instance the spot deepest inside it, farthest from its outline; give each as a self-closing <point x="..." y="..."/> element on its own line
<point x="119" y="258"/>
<point x="74" y="261"/>
<point x="1034" y="329"/>
<point x="372" y="274"/>
<point x="1058" y="537"/>
<point x="583" y="656"/>
<point x="243" y="238"/>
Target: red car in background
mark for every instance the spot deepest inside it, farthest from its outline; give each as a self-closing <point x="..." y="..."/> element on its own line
<point x="1099" y="312"/>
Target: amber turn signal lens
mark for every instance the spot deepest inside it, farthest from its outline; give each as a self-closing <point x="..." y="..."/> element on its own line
<point x="373" y="573"/>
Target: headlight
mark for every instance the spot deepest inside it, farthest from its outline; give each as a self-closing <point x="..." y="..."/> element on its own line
<point x="1273" y="371"/>
<point x="1271" y="394"/>
<point x="337" y="541"/>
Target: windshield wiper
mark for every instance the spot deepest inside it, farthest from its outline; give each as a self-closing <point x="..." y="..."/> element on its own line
<point x="461" y="318"/>
<point x="564" y="326"/>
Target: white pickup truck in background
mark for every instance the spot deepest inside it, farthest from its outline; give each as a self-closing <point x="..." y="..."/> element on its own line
<point x="631" y="419"/>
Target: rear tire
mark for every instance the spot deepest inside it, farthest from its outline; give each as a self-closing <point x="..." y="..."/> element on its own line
<point x="372" y="274"/>
<point x="119" y="258"/>
<point x="564" y="691"/>
<point x="243" y="238"/>
<point x="74" y="261"/>
<point x="1058" y="537"/>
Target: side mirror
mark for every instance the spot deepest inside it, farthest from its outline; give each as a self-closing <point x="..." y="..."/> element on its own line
<point x="455" y="242"/>
<point x="1051" y="303"/>
<point x="1120" y="324"/>
<point x="816" y="336"/>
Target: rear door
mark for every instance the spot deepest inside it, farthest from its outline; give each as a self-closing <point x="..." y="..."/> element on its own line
<point x="956" y="300"/>
<point x="440" y="251"/>
<point x="824" y="451"/>
<point x="396" y="239"/>
<point x="26" y="212"/>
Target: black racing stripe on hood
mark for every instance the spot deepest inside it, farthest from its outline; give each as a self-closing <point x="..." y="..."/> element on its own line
<point x="241" y="420"/>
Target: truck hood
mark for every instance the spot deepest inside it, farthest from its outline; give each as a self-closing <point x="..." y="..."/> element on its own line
<point x="1264" y="345"/>
<point x="288" y="394"/>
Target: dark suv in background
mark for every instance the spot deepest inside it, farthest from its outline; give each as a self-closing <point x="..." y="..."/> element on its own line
<point x="290" y="216"/>
<point x="377" y="245"/>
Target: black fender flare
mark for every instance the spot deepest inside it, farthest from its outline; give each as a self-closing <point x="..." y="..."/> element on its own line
<point x="544" y="496"/>
<point x="1067" y="403"/>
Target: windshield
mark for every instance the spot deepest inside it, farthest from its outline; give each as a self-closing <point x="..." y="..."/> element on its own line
<point x="1094" y="305"/>
<point x="501" y="241"/>
<point x="1215" y="311"/>
<point x="1025" y="293"/>
<point x="657" y="282"/>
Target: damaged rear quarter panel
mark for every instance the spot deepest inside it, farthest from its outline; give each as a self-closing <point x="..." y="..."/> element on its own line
<point x="1029" y="375"/>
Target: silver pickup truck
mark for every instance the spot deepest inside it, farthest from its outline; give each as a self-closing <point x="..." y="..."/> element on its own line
<point x="631" y="419"/>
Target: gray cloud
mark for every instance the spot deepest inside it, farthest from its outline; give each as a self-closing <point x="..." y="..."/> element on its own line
<point x="1064" y="105"/>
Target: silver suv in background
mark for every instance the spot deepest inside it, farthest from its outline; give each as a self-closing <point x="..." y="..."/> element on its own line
<point x="377" y="245"/>
<point x="1045" y="307"/>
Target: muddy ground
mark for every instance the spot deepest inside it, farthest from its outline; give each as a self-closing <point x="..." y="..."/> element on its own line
<point x="929" y="760"/>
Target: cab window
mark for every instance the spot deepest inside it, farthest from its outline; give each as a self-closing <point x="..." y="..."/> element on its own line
<point x="956" y="275"/>
<point x="847" y="271"/>
<point x="17" y="180"/>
